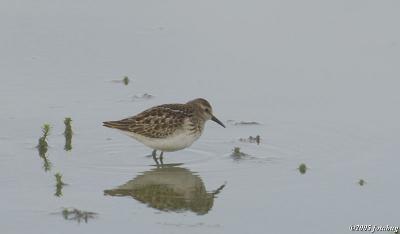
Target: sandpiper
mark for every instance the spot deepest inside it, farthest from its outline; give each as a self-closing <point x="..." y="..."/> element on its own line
<point x="168" y="127"/>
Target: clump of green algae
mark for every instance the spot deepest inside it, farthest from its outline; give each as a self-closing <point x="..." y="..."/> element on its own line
<point x="68" y="134"/>
<point x="59" y="185"/>
<point x="43" y="147"/>
<point x="126" y="80"/>
<point x="303" y="168"/>
<point x="236" y="153"/>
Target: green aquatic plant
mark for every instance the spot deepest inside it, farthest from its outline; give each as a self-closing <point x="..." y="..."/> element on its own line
<point x="46" y="129"/>
<point x="361" y="182"/>
<point x="303" y="168"/>
<point x="59" y="185"/>
<point x="43" y="147"/>
<point x="236" y="151"/>
<point x="59" y="179"/>
<point x="77" y="215"/>
<point x="125" y="80"/>
<point x="237" y="154"/>
<point x="68" y="134"/>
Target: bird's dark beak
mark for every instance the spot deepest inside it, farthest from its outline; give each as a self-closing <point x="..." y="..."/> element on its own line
<point x="217" y="121"/>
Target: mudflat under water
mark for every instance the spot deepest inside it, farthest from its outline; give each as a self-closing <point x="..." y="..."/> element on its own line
<point x="322" y="88"/>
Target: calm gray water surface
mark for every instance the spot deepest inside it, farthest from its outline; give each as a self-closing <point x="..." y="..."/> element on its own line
<point x="321" y="78"/>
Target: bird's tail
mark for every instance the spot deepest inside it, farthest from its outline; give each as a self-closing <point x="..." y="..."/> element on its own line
<point x="113" y="124"/>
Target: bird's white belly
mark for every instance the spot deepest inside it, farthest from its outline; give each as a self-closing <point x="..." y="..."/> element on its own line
<point x="174" y="142"/>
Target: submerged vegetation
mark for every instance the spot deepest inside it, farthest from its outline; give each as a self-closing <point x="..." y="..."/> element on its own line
<point x="68" y="134"/>
<point x="59" y="185"/>
<point x="303" y="168"/>
<point x="43" y="147"/>
<point x="77" y="215"/>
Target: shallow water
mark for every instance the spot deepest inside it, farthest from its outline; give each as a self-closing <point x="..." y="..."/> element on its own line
<point x="320" y="78"/>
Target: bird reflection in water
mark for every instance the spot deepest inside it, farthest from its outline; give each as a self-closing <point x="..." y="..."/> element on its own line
<point x="169" y="188"/>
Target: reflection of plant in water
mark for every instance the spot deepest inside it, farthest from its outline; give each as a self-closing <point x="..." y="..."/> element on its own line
<point x="59" y="185"/>
<point x="302" y="168"/>
<point x="251" y="139"/>
<point x="46" y="163"/>
<point x="43" y="147"/>
<point x="68" y="134"/>
<point x="169" y="188"/>
<point x="77" y="215"/>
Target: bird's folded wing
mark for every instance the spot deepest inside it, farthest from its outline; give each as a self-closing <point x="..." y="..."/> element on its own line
<point x="156" y="122"/>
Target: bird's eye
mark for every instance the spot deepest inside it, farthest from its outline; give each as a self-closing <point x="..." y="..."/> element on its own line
<point x="207" y="110"/>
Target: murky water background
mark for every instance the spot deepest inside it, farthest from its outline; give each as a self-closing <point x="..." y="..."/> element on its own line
<point x="321" y="78"/>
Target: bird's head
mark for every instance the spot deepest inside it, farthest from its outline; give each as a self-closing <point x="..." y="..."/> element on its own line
<point x="204" y="109"/>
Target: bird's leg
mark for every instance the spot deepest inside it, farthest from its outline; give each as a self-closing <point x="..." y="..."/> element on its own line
<point x="161" y="158"/>
<point x="154" y="154"/>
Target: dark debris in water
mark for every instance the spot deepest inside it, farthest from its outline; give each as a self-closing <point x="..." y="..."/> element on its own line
<point x="247" y="123"/>
<point x="144" y="96"/>
<point x="243" y="123"/>
<point x="77" y="215"/>
<point x="251" y="139"/>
